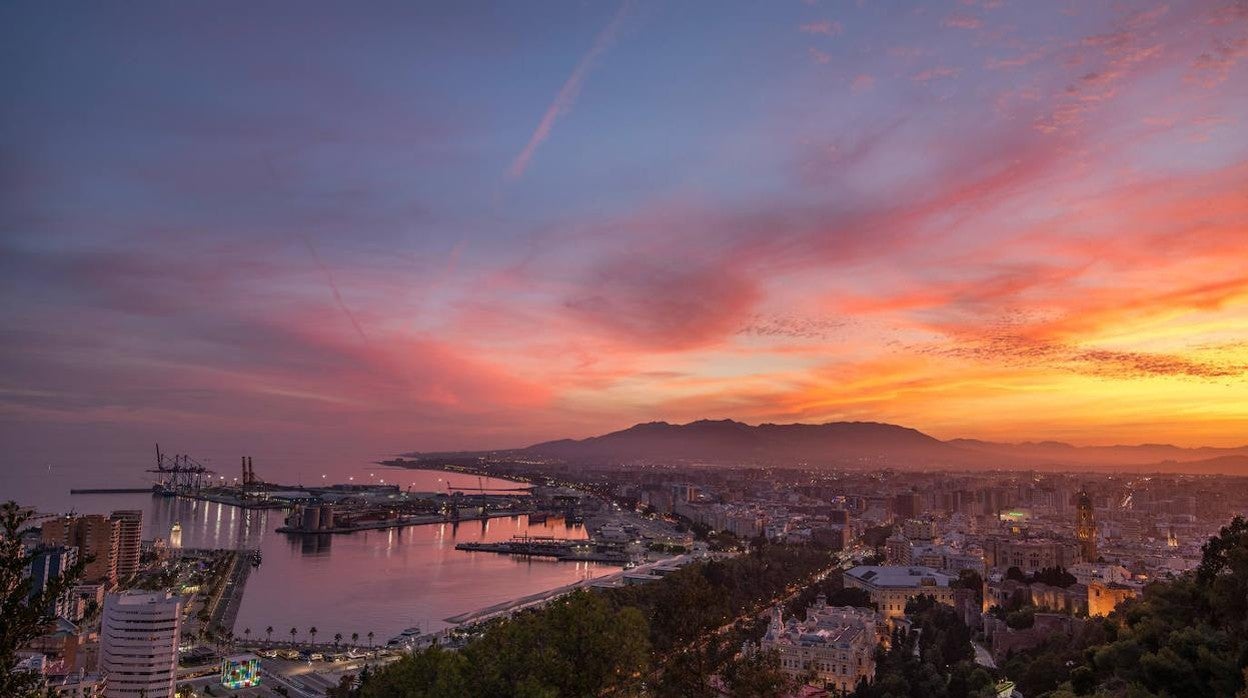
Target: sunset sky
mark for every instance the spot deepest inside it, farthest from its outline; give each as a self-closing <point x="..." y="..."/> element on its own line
<point x="397" y="226"/>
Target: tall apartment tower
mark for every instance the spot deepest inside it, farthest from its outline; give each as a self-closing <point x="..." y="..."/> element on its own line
<point x="94" y="535"/>
<point x="1085" y="527"/>
<point x="139" y="644"/>
<point x="129" y="540"/>
<point x="48" y="562"/>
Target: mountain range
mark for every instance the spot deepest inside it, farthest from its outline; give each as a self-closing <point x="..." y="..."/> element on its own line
<point x="868" y="444"/>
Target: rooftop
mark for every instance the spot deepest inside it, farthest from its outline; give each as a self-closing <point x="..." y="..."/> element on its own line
<point x="899" y="576"/>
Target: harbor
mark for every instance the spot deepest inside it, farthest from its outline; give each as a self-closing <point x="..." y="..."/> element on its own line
<point x="383" y="556"/>
<point x="339" y="508"/>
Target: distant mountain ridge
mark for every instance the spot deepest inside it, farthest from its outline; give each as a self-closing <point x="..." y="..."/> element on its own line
<point x="868" y="444"/>
<point x="728" y="440"/>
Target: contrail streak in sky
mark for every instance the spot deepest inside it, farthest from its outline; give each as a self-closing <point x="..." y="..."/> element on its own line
<point x="329" y="278"/>
<point x="567" y="95"/>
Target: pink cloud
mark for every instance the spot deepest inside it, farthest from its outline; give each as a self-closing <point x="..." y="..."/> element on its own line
<point x="645" y="302"/>
<point x="1019" y="61"/>
<point x="824" y="27"/>
<point x="962" y="21"/>
<point x="862" y="83"/>
<point x="937" y="73"/>
<point x="1212" y="67"/>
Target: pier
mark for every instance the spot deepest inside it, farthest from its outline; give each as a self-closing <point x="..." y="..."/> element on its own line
<point x="398" y="523"/>
<point x="558" y="548"/>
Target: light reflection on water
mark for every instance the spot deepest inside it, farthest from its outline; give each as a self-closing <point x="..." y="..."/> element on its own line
<point x="388" y="580"/>
<point x="381" y="581"/>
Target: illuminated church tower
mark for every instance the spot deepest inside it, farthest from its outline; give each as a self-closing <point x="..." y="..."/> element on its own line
<point x="1085" y="527"/>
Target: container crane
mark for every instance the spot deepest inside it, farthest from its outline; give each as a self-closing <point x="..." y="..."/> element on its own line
<point x="178" y="473"/>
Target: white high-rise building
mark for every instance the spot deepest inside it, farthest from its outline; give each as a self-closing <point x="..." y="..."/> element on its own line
<point x="139" y="644"/>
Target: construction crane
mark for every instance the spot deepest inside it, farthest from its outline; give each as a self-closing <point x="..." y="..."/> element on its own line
<point x="480" y="489"/>
<point x="178" y="473"/>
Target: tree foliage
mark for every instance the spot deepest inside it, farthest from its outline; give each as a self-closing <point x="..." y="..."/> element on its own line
<point x="577" y="646"/>
<point x="665" y="635"/>
<point x="935" y="661"/>
<point x="758" y="675"/>
<point x="24" y="616"/>
<point x="1054" y="576"/>
<point x="1186" y="637"/>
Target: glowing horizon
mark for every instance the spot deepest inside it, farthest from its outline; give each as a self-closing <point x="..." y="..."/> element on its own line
<point x="422" y="228"/>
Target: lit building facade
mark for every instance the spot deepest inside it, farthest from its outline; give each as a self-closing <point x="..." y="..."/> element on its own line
<point x="95" y="536"/>
<point x="836" y="644"/>
<point x="1029" y="554"/>
<point x="891" y="587"/>
<point x="1104" y="598"/>
<point x="897" y="550"/>
<point x="1085" y="527"/>
<point x="139" y="644"/>
<point x="129" y="541"/>
<point x="240" y="671"/>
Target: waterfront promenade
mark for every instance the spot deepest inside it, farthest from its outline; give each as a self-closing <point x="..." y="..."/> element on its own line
<point x="540" y="598"/>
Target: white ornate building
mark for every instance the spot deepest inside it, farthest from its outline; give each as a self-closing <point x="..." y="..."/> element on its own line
<point x="836" y="644"/>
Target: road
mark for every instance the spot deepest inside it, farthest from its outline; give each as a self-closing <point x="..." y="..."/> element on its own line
<point x="542" y="597"/>
<point x="761" y="609"/>
<point x="301" y="679"/>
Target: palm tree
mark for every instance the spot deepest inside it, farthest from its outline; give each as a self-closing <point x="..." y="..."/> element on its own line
<point x="312" y="632"/>
<point x="337" y="640"/>
<point x="293" y="632"/>
<point x="247" y="635"/>
<point x="355" y="639"/>
<point x="268" y="632"/>
<point x="370" y="639"/>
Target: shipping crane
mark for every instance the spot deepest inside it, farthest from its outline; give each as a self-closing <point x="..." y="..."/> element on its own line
<point x="178" y="473"/>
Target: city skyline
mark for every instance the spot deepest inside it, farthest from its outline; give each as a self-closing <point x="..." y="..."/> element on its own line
<point x="436" y="228"/>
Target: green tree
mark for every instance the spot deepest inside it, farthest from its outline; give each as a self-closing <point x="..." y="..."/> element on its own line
<point x="1185" y="637"/>
<point x="24" y="615"/>
<point x="970" y="579"/>
<point x="758" y="675"/>
<point x="688" y="674"/>
<point x="576" y="646"/>
<point x="433" y="672"/>
<point x="1082" y="681"/>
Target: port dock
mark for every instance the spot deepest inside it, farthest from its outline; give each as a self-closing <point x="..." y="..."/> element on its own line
<point x="558" y="548"/>
<point x="398" y="523"/>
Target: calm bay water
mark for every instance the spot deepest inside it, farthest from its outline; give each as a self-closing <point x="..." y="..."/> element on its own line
<point x="379" y="581"/>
